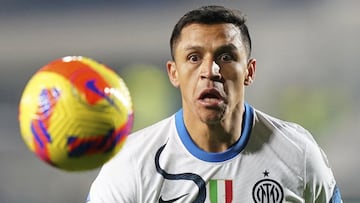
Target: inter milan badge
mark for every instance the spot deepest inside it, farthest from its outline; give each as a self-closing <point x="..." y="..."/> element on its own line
<point x="267" y="190"/>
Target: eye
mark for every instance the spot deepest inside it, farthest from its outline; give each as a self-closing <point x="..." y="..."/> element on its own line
<point x="225" y="57"/>
<point x="194" y="58"/>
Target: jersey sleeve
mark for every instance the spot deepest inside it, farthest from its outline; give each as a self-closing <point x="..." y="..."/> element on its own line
<point x="320" y="184"/>
<point x="116" y="182"/>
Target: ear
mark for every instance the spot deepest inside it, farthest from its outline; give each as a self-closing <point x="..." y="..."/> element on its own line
<point x="250" y="76"/>
<point x="172" y="73"/>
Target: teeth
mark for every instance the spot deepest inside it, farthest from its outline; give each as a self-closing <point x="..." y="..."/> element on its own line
<point x="210" y="99"/>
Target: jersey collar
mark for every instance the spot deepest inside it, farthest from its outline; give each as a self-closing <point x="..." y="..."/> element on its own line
<point x="211" y="156"/>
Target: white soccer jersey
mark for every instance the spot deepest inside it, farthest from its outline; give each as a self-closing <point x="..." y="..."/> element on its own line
<point x="273" y="161"/>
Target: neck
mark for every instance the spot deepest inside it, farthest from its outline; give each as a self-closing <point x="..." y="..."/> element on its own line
<point x="215" y="137"/>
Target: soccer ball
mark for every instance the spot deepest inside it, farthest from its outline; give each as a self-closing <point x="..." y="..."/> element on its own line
<point x="75" y="113"/>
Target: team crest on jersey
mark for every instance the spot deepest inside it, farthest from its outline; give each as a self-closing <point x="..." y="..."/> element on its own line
<point x="267" y="190"/>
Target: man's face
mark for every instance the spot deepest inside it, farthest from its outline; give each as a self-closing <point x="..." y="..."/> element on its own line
<point x="211" y="69"/>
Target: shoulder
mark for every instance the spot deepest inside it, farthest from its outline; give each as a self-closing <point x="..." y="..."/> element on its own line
<point x="292" y="138"/>
<point x="150" y="136"/>
<point x="295" y="135"/>
<point x="141" y="143"/>
<point x="127" y="167"/>
<point x="301" y="149"/>
<point x="291" y="131"/>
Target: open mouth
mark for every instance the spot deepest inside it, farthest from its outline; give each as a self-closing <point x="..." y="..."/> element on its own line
<point x="211" y="96"/>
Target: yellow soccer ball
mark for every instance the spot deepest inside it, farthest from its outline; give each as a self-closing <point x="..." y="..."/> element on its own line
<point x="75" y="113"/>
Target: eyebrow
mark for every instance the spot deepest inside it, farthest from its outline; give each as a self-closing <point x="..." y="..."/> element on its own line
<point x="190" y="47"/>
<point x="226" y="48"/>
<point x="223" y="48"/>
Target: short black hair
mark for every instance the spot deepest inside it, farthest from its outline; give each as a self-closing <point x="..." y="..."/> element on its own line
<point x="212" y="15"/>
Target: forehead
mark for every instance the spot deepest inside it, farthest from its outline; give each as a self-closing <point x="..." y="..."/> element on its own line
<point x="204" y="34"/>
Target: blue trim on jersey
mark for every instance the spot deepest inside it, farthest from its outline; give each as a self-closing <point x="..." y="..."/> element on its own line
<point x="212" y="156"/>
<point x="336" y="197"/>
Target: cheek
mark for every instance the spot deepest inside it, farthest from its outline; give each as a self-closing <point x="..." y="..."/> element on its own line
<point x="237" y="75"/>
<point x="188" y="83"/>
<point x="187" y="75"/>
<point x="187" y="80"/>
<point x="234" y="91"/>
<point x="234" y="81"/>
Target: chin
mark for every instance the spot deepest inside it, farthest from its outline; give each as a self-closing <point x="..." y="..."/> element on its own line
<point x="212" y="122"/>
<point x="212" y="118"/>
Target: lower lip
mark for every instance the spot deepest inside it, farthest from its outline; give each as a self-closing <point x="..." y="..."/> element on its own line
<point x="210" y="102"/>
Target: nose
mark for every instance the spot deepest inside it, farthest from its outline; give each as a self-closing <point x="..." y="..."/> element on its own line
<point x="211" y="71"/>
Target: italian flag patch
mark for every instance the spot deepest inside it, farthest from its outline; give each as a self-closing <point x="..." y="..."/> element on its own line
<point x="221" y="191"/>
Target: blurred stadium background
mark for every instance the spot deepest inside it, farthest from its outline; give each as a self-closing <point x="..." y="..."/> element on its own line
<point x="308" y="72"/>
